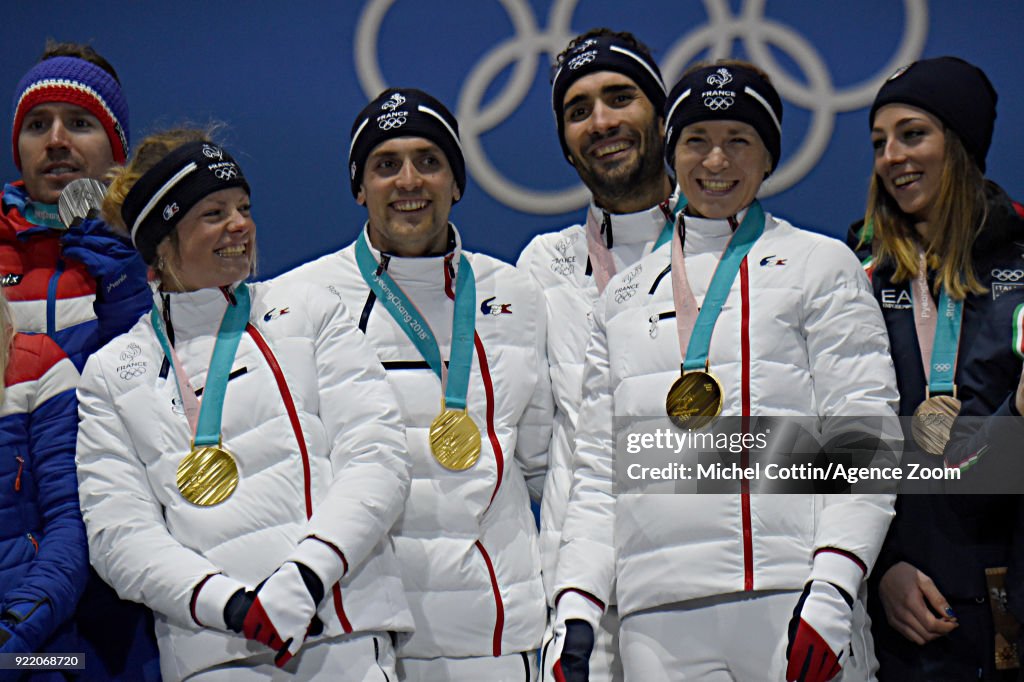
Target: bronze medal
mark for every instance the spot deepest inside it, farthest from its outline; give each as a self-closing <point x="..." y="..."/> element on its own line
<point x="933" y="422"/>
<point x="207" y="476"/>
<point x="455" y="440"/>
<point x="694" y="400"/>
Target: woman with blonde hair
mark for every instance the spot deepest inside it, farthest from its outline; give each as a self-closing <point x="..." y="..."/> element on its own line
<point x="43" y="557"/>
<point x="240" y="457"/>
<point x="947" y="258"/>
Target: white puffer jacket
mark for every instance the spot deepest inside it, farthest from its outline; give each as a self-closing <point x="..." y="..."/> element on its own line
<point x="154" y="547"/>
<point x="558" y="262"/>
<point x="800" y="335"/>
<point x="467" y="541"/>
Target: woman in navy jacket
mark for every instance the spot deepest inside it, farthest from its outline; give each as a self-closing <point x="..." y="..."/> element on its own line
<point x="948" y="274"/>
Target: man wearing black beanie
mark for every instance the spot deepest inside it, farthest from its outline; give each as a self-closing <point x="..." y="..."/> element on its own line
<point x="462" y="338"/>
<point x="607" y="97"/>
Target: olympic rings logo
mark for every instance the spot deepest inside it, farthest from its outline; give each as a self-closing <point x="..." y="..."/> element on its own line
<point x="942" y="367"/>
<point x="1008" y="275"/>
<point x="749" y="26"/>
<point x="391" y="121"/>
<point x="226" y="173"/>
<point x="132" y="371"/>
<point x="718" y="103"/>
<point x="582" y="59"/>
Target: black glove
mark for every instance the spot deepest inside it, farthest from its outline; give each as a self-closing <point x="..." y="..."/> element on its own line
<point x="574" y="663"/>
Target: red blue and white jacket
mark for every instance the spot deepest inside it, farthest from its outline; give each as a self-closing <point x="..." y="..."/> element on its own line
<point x="467" y="540"/>
<point x="52" y="294"/>
<point x="43" y="556"/>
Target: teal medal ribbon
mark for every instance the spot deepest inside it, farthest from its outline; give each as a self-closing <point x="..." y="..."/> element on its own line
<point x="938" y="337"/>
<point x="742" y="242"/>
<point x="415" y="326"/>
<point x="208" y="474"/>
<point x="45" y="215"/>
<point x="940" y="360"/>
<point x="947" y="342"/>
<point x="695" y="398"/>
<point x="231" y="327"/>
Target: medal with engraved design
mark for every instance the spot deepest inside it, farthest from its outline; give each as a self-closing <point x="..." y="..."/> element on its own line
<point x="694" y="400"/>
<point x="207" y="476"/>
<point x="454" y="439"/>
<point x="933" y="423"/>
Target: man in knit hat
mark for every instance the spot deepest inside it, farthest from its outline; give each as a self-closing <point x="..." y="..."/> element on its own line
<point x="461" y="336"/>
<point x="607" y="96"/>
<point x="81" y="286"/>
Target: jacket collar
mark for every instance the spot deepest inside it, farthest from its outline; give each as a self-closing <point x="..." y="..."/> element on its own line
<point x="635" y="228"/>
<point x="424" y="270"/>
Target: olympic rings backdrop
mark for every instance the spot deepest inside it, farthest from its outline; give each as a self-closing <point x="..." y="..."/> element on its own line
<point x="287" y="80"/>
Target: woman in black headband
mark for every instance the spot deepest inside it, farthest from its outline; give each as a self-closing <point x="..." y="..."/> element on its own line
<point x="240" y="458"/>
<point x="947" y="272"/>
<point x="744" y="317"/>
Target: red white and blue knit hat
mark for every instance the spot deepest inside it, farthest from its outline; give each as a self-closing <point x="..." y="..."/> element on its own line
<point x="74" y="81"/>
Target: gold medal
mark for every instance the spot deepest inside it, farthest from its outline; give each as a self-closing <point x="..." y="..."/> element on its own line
<point x="455" y="440"/>
<point x="694" y="400"/>
<point x="207" y="476"/>
<point x="933" y="422"/>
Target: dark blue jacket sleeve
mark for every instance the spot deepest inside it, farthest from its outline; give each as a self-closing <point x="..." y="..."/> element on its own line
<point x="49" y="592"/>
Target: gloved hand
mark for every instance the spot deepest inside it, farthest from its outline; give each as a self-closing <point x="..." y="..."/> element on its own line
<point x="819" y="633"/>
<point x="108" y="256"/>
<point x="283" y="610"/>
<point x="237" y="608"/>
<point x="567" y="658"/>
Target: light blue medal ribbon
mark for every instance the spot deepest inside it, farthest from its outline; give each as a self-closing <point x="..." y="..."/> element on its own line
<point x="942" y="364"/>
<point x="666" y="232"/>
<point x="208" y="428"/>
<point x="742" y="241"/>
<point x="45" y="215"/>
<point x="415" y="325"/>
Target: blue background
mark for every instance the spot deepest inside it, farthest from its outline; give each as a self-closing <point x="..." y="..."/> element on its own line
<point x="284" y="81"/>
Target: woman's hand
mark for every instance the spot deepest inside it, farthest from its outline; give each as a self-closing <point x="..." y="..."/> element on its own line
<point x="906" y="595"/>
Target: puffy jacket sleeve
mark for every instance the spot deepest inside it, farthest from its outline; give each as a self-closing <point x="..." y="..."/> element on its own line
<point x="49" y="591"/>
<point x="129" y="544"/>
<point x="855" y="390"/>
<point x="369" y="457"/>
<point x="534" y="432"/>
<point x="586" y="558"/>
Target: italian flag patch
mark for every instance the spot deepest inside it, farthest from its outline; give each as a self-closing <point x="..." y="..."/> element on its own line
<point x="1018" y="331"/>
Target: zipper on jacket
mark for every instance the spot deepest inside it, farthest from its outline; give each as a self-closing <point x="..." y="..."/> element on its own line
<point x="51" y="299"/>
<point x="658" y="317"/>
<point x="34" y="542"/>
<point x="657" y="280"/>
<point x="17" y="476"/>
